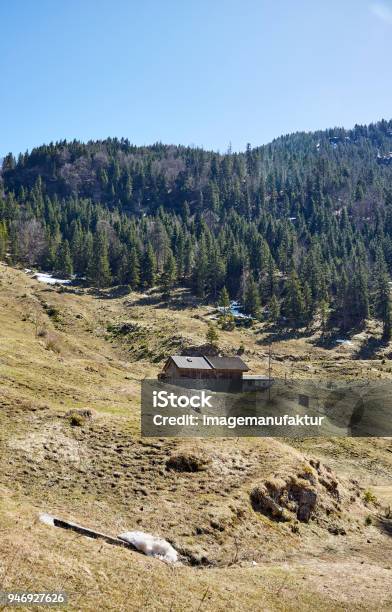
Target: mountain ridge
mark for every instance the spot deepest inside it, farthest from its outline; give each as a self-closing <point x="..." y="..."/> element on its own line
<point x="300" y="227"/>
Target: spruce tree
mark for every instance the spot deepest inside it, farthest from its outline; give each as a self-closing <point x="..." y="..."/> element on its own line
<point x="212" y="335"/>
<point x="200" y="272"/>
<point x="252" y="303"/>
<point x="324" y="310"/>
<point x="3" y="240"/>
<point x="64" y="260"/>
<point x="274" y="309"/>
<point x="294" y="301"/>
<point x="383" y="305"/>
<point x="169" y="274"/>
<point x="224" y="301"/>
<point x="99" y="270"/>
<point x="149" y="267"/>
<point x="134" y="269"/>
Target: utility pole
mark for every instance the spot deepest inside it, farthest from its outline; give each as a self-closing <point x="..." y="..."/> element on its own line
<point x="269" y="373"/>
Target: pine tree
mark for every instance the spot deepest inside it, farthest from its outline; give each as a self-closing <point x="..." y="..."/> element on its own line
<point x="64" y="259"/>
<point x="294" y="302"/>
<point x="252" y="303"/>
<point x="324" y="311"/>
<point x="200" y="272"/>
<point x="383" y="305"/>
<point x="224" y="301"/>
<point x="3" y="240"/>
<point x="274" y="309"/>
<point x="98" y="269"/>
<point x="134" y="269"/>
<point x="308" y="302"/>
<point x="149" y="267"/>
<point x="360" y="294"/>
<point x="212" y="335"/>
<point x="169" y="273"/>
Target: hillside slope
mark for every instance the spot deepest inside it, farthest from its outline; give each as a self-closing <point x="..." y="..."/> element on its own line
<point x="298" y="230"/>
<point x="73" y="349"/>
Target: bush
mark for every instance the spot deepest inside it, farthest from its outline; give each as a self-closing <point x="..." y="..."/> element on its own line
<point x="76" y="420"/>
<point x="52" y="312"/>
<point x="212" y="335"/>
<point x="369" y="497"/>
<point x="368" y="520"/>
<point x="227" y="322"/>
<point x="241" y="349"/>
<point x="52" y="343"/>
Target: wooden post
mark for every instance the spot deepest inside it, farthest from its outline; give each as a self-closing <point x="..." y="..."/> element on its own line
<point x="90" y="533"/>
<point x="269" y="373"/>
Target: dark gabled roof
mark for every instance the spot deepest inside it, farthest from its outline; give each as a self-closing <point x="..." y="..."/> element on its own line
<point x="227" y="363"/>
<point x="190" y="363"/>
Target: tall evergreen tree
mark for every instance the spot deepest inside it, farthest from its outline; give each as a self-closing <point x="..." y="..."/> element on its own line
<point x="252" y="303"/>
<point x="383" y="305"/>
<point x="64" y="260"/>
<point x="294" y="304"/>
<point x="149" y="267"/>
<point x="169" y="274"/>
<point x="98" y="268"/>
<point x="274" y="309"/>
<point x="224" y="301"/>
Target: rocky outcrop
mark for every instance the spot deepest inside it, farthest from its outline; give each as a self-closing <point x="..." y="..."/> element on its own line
<point x="297" y="495"/>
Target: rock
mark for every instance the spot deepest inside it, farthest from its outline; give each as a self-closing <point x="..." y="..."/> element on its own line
<point x="187" y="462"/>
<point x="337" y="530"/>
<point x="280" y="498"/>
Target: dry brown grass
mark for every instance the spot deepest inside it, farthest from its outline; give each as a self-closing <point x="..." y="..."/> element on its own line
<point x="103" y="475"/>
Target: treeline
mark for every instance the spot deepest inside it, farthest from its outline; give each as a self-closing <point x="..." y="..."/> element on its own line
<point x="296" y="229"/>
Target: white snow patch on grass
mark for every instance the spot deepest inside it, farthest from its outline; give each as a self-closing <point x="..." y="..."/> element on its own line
<point x="49" y="279"/>
<point x="46" y="518"/>
<point x="150" y="545"/>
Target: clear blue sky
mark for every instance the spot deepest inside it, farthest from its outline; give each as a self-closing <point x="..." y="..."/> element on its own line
<point x="202" y="72"/>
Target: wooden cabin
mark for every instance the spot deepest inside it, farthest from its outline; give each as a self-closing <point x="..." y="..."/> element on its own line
<point x="178" y="366"/>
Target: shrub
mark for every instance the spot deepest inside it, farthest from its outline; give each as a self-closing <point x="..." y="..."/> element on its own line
<point x="369" y="497"/>
<point x="52" y="312"/>
<point x="227" y="322"/>
<point x="212" y="335"/>
<point x="52" y="343"/>
<point x="76" y="420"/>
<point x="368" y="520"/>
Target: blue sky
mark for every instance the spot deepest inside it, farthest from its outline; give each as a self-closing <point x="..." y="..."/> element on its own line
<point x="203" y="72"/>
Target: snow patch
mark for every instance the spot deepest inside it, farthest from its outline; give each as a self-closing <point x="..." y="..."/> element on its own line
<point x="150" y="545"/>
<point x="235" y="310"/>
<point x="342" y="341"/>
<point x="46" y="518"/>
<point x="49" y="279"/>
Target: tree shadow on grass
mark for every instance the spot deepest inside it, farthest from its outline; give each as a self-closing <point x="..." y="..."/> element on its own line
<point x="329" y="340"/>
<point x="385" y="525"/>
<point x="370" y="348"/>
<point x="275" y="333"/>
<point x="177" y="301"/>
<point x="109" y="294"/>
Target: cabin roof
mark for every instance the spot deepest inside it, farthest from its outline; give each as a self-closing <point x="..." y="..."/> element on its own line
<point x="184" y="362"/>
<point x="191" y="363"/>
<point x="227" y="363"/>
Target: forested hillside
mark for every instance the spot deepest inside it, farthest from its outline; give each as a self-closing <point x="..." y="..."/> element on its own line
<point x="298" y="228"/>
